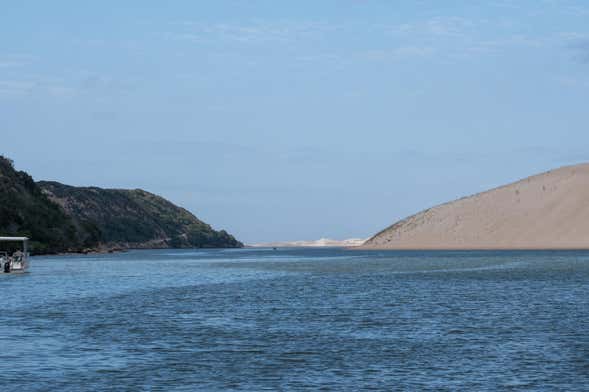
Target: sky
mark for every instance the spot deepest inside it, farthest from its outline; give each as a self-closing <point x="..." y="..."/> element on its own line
<point x="295" y="120"/>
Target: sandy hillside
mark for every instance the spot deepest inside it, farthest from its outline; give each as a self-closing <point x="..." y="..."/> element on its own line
<point x="546" y="211"/>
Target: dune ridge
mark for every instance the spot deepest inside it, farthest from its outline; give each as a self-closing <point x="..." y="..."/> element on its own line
<point x="545" y="211"/>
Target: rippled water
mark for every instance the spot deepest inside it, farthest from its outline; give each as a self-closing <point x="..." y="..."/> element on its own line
<point x="327" y="319"/>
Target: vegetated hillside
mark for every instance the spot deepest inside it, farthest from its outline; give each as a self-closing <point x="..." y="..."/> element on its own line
<point x="546" y="211"/>
<point x="62" y="218"/>
<point x="26" y="210"/>
<point x="133" y="218"/>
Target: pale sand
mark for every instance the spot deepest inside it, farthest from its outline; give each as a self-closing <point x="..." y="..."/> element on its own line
<point x="546" y="211"/>
<point x="321" y="243"/>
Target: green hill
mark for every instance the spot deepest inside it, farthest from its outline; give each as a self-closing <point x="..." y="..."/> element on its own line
<point x="26" y="210"/>
<point x="62" y="218"/>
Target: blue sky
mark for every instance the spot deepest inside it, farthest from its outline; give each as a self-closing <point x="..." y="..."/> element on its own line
<point x="295" y="120"/>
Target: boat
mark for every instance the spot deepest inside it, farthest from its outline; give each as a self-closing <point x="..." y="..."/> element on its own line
<point x="17" y="261"/>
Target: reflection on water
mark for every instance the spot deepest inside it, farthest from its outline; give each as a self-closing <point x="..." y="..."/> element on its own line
<point x="256" y="319"/>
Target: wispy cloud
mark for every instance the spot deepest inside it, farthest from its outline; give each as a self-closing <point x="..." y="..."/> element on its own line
<point x="16" y="87"/>
<point x="29" y="86"/>
<point x="90" y="81"/>
<point x="447" y="38"/>
<point x="399" y="53"/>
<point x="15" y="60"/>
<point x="256" y="32"/>
<point x="71" y="84"/>
<point x="453" y="37"/>
<point x="437" y="26"/>
<point x="573" y="81"/>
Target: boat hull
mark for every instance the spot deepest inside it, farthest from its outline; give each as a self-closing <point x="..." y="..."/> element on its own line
<point x="12" y="267"/>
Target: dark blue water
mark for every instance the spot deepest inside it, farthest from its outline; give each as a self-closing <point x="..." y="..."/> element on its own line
<point x="329" y="319"/>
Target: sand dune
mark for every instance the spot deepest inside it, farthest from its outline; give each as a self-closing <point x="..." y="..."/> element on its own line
<point x="546" y="211"/>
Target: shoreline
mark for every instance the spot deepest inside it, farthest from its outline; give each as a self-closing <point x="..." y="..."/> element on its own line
<point x="118" y="249"/>
<point x="94" y="252"/>
<point x="471" y="248"/>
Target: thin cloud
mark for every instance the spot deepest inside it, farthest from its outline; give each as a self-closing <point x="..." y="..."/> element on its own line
<point x="399" y="53"/>
<point x="16" y="87"/>
<point x="24" y="87"/>
<point x="437" y="27"/>
<point x="456" y="37"/>
<point x="258" y="32"/>
<point x="573" y="81"/>
<point x="15" y="60"/>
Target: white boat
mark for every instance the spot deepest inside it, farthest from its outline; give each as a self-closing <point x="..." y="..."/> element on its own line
<point x="19" y="260"/>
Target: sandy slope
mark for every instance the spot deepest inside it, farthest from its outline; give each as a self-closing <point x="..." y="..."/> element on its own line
<point x="546" y="211"/>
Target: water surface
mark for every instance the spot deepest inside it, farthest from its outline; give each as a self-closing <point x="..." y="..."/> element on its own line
<point x="323" y="319"/>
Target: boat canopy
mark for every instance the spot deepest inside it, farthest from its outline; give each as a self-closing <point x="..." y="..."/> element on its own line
<point x="6" y="239"/>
